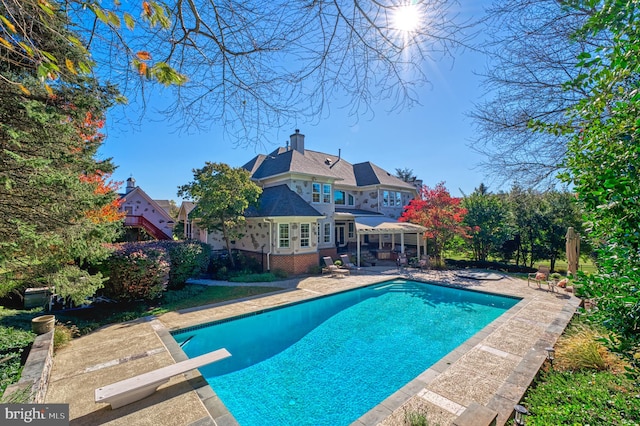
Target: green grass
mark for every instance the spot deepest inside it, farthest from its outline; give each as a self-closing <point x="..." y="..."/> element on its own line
<point x="199" y="295"/>
<point x="587" y="384"/>
<point x="586" y="266"/>
<point x="188" y="297"/>
<point x="583" y="397"/>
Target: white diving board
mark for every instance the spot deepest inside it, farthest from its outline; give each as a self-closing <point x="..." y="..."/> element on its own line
<point x="135" y="388"/>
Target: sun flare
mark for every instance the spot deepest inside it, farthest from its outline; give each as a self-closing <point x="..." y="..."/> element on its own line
<point x="406" y="18"/>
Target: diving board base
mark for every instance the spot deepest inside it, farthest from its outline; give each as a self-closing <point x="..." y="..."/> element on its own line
<point x="136" y="388"/>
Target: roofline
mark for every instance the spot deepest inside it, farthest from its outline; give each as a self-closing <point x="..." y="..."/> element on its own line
<point x="151" y="200"/>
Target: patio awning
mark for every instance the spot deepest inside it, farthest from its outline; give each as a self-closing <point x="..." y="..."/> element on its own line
<point x="385" y="225"/>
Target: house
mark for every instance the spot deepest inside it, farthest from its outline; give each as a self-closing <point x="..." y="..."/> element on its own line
<point x="316" y="204"/>
<point x="145" y="214"/>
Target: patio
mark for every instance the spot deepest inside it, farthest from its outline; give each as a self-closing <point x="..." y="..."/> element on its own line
<point x="493" y="368"/>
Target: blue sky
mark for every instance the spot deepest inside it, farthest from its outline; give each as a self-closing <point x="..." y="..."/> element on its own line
<point x="431" y="139"/>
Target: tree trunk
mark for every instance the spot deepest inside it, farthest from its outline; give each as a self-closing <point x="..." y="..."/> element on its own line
<point x="225" y="236"/>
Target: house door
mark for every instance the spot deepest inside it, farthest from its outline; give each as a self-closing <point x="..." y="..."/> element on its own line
<point x="340" y="240"/>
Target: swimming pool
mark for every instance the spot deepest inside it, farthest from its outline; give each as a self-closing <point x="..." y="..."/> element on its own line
<point x="330" y="360"/>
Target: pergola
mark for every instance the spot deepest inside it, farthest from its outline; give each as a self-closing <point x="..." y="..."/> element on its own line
<point x="375" y="225"/>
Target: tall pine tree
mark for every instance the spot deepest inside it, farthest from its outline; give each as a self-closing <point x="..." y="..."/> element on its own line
<point x="57" y="207"/>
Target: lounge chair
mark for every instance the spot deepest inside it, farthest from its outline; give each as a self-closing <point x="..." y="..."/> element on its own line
<point x="401" y="261"/>
<point x="346" y="263"/>
<point x="540" y="277"/>
<point x="332" y="268"/>
<point x="423" y="263"/>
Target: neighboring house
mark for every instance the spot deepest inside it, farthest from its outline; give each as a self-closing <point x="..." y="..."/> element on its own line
<point x="316" y="204"/>
<point x="144" y="213"/>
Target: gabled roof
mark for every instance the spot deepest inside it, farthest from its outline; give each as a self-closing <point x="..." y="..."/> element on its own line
<point x="138" y="191"/>
<point x="315" y="163"/>
<point x="281" y="201"/>
<point x="185" y="209"/>
<point x="281" y="161"/>
<point x="165" y="204"/>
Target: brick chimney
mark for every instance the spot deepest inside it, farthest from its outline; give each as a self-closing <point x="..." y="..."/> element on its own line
<point x="297" y="141"/>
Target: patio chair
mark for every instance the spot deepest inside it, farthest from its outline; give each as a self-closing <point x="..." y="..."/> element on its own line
<point x="401" y="261"/>
<point x="423" y="263"/>
<point x="347" y="264"/>
<point x="332" y="268"/>
<point x="540" y="277"/>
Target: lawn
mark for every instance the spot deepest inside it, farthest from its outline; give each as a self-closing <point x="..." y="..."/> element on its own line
<point x="188" y="297"/>
<point x="585" y="385"/>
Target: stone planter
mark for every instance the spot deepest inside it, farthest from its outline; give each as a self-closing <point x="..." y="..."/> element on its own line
<point x="43" y="324"/>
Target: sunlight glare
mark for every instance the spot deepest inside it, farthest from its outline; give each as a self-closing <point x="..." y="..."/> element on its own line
<point x="406" y="18"/>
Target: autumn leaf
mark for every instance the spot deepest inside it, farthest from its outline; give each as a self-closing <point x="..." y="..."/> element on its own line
<point x="143" y="55"/>
<point x="147" y="8"/>
<point x="8" y="24"/>
<point x="24" y="90"/>
<point x="142" y="68"/>
<point x="6" y="43"/>
<point x="69" y="64"/>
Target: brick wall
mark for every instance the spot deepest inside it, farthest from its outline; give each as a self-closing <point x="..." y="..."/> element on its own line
<point x="294" y="264"/>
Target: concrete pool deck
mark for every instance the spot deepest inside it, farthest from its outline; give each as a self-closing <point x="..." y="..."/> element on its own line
<point x="493" y="368"/>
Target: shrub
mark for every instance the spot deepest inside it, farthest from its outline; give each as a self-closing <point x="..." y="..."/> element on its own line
<point x="581" y="348"/>
<point x="136" y="272"/>
<point x="280" y="273"/>
<point x="314" y="269"/>
<point x="14" y="344"/>
<point x="76" y="285"/>
<point x="221" y="267"/>
<point x="63" y="334"/>
<point x="188" y="259"/>
<point x="12" y="339"/>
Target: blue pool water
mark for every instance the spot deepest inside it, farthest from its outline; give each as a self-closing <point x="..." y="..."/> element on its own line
<point x="330" y="360"/>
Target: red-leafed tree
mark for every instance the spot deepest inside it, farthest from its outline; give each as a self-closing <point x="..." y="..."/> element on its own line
<point x="440" y="213"/>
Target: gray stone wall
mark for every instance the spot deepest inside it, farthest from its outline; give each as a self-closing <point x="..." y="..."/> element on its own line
<point x="35" y="374"/>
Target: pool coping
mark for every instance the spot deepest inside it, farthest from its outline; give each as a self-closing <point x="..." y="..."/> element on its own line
<point x="502" y="401"/>
<point x="496" y="371"/>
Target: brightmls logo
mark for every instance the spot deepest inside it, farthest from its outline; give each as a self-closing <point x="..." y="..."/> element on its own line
<point x="35" y="414"/>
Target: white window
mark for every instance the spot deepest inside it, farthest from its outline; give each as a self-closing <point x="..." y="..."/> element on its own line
<point x="315" y="192"/>
<point x="326" y="193"/>
<point x="283" y="235"/>
<point x="352" y="227"/>
<point x="391" y="199"/>
<point x="305" y="233"/>
<point x="326" y="234"/>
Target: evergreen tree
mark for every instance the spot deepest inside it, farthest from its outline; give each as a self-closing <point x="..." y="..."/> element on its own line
<point x="57" y="207"/>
